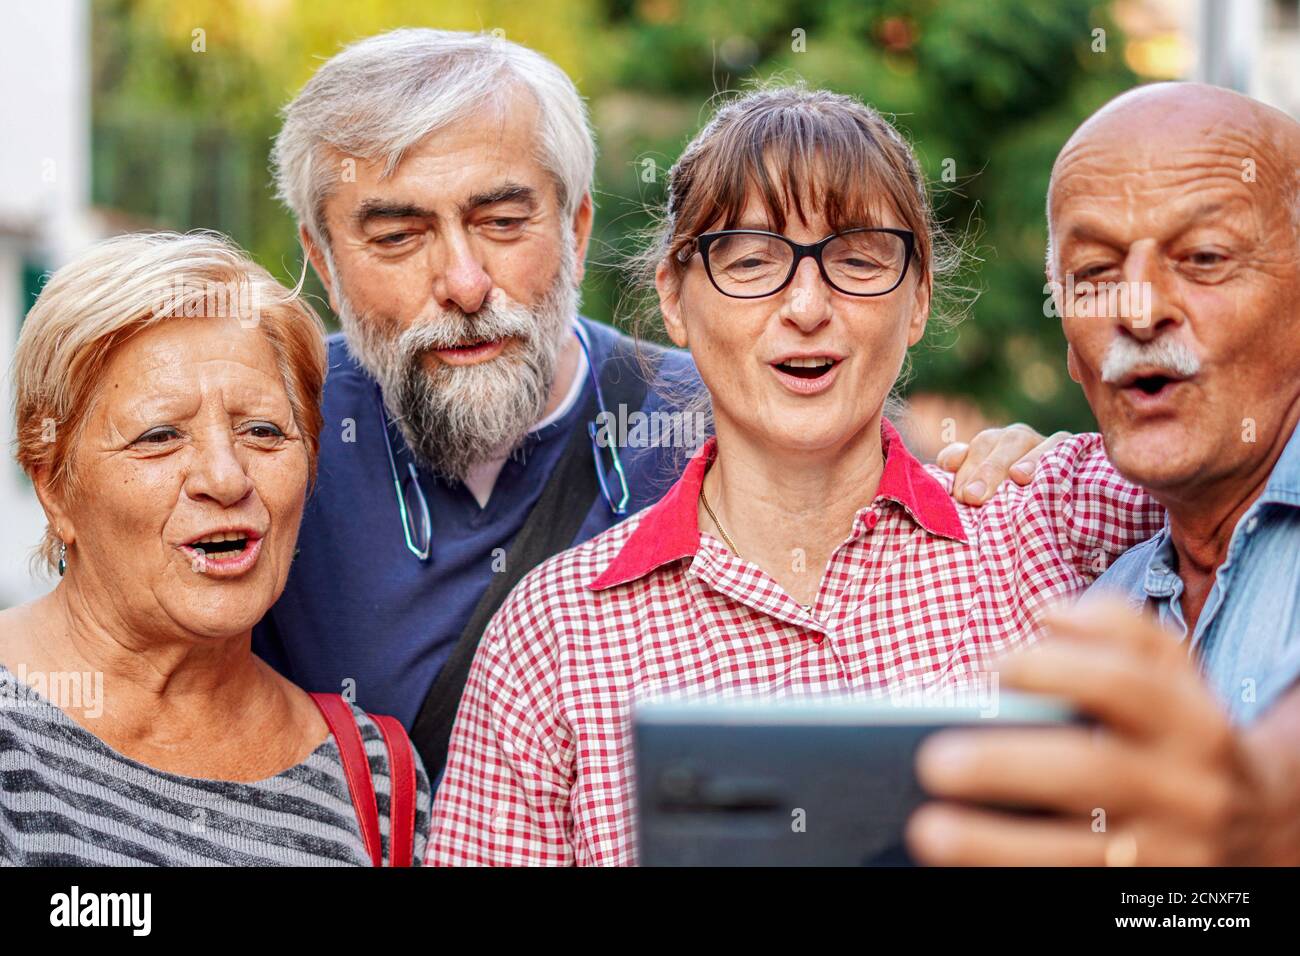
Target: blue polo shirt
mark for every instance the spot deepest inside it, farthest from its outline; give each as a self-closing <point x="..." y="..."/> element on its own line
<point x="360" y="612"/>
<point x="1247" y="637"/>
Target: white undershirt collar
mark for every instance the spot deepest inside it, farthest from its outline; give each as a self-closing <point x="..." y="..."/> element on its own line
<point x="482" y="478"/>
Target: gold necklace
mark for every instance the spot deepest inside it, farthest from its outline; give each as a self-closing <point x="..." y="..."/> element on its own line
<point x="704" y="500"/>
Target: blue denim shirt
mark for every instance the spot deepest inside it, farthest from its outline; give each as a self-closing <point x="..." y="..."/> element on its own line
<point x="1247" y="638"/>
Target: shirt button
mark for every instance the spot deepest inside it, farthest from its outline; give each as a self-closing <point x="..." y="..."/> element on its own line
<point x="1251" y="525"/>
<point x="498" y="823"/>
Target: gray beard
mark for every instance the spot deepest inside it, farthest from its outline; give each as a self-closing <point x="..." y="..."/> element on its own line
<point x="455" y="417"/>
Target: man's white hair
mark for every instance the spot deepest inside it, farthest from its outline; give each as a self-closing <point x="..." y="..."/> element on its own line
<point x="380" y="96"/>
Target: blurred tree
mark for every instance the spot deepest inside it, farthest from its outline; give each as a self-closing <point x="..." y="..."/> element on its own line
<point x="988" y="92"/>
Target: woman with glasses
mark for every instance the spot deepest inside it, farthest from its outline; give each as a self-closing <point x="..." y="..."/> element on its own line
<point x="803" y="550"/>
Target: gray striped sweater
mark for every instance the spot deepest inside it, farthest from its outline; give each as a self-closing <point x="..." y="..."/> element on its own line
<point x="68" y="799"/>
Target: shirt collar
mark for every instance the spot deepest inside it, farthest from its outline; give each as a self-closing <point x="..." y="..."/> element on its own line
<point x="576" y="387"/>
<point x="1160" y="580"/>
<point x="1282" y="488"/>
<point x="670" y="529"/>
<point x="906" y="482"/>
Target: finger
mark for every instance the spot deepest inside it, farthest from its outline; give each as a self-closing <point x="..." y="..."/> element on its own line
<point x="1155" y="844"/>
<point x="986" y="468"/>
<point x="976" y="451"/>
<point x="1117" y="685"/>
<point x="1022" y="472"/>
<point x="1106" y="622"/>
<point x="945" y="834"/>
<point x="1071" y="770"/>
<point x="1028" y="768"/>
<point x="1098" y="681"/>
<point x="975" y="479"/>
<point x="951" y="457"/>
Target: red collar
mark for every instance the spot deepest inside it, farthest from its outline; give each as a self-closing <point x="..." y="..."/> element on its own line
<point x="670" y="530"/>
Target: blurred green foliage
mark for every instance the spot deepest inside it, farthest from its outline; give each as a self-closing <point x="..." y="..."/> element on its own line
<point x="987" y="90"/>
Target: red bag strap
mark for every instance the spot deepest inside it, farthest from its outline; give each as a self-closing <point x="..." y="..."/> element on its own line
<point x="356" y="768"/>
<point x="401" y="776"/>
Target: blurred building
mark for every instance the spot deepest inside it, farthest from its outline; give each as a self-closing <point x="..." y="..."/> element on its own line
<point x="1248" y="45"/>
<point x="1252" y="46"/>
<point x="44" y="217"/>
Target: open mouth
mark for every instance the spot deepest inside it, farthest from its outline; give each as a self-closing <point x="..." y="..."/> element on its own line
<point x="469" y="345"/>
<point x="471" y="351"/>
<point x="231" y="543"/>
<point x="1153" y="383"/>
<point x="814" y="367"/>
<point x="224" y="547"/>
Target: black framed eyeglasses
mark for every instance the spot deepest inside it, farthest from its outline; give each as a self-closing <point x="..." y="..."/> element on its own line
<point x="751" y="263"/>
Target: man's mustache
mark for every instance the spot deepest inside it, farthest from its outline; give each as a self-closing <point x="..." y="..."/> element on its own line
<point x="451" y="330"/>
<point x="1126" y="355"/>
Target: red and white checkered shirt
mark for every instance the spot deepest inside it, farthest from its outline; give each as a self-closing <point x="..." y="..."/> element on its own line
<point x="922" y="593"/>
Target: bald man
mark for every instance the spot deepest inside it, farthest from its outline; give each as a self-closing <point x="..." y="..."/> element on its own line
<point x="1182" y="203"/>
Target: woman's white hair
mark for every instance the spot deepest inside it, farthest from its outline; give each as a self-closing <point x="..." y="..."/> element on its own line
<point x="380" y="96"/>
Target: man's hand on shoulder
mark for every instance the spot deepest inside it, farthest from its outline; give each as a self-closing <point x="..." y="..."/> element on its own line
<point x="993" y="456"/>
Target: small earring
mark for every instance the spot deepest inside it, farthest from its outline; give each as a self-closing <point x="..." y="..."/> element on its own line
<point x="63" y="557"/>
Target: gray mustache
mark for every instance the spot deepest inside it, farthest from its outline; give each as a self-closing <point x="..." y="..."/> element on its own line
<point x="1167" y="354"/>
<point x="450" y="332"/>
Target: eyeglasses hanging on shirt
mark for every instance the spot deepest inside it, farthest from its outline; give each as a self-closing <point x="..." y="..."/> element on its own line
<point x="413" y="507"/>
<point x="411" y="503"/>
<point x="603" y="415"/>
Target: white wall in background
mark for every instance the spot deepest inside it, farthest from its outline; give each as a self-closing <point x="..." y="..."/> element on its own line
<point x="44" y="202"/>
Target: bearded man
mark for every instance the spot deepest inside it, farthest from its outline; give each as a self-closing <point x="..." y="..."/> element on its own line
<point x="475" y="424"/>
<point x="441" y="182"/>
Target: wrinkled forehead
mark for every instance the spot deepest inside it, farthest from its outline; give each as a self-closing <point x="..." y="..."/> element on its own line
<point x="1151" y="180"/>
<point x="184" y="359"/>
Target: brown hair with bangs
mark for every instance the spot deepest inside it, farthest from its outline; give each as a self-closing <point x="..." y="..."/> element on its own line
<point x="793" y="147"/>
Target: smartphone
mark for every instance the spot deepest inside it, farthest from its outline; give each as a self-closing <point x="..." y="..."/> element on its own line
<point x="824" y="782"/>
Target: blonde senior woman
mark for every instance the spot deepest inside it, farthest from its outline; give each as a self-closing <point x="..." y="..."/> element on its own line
<point x="803" y="550"/>
<point x="167" y="401"/>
